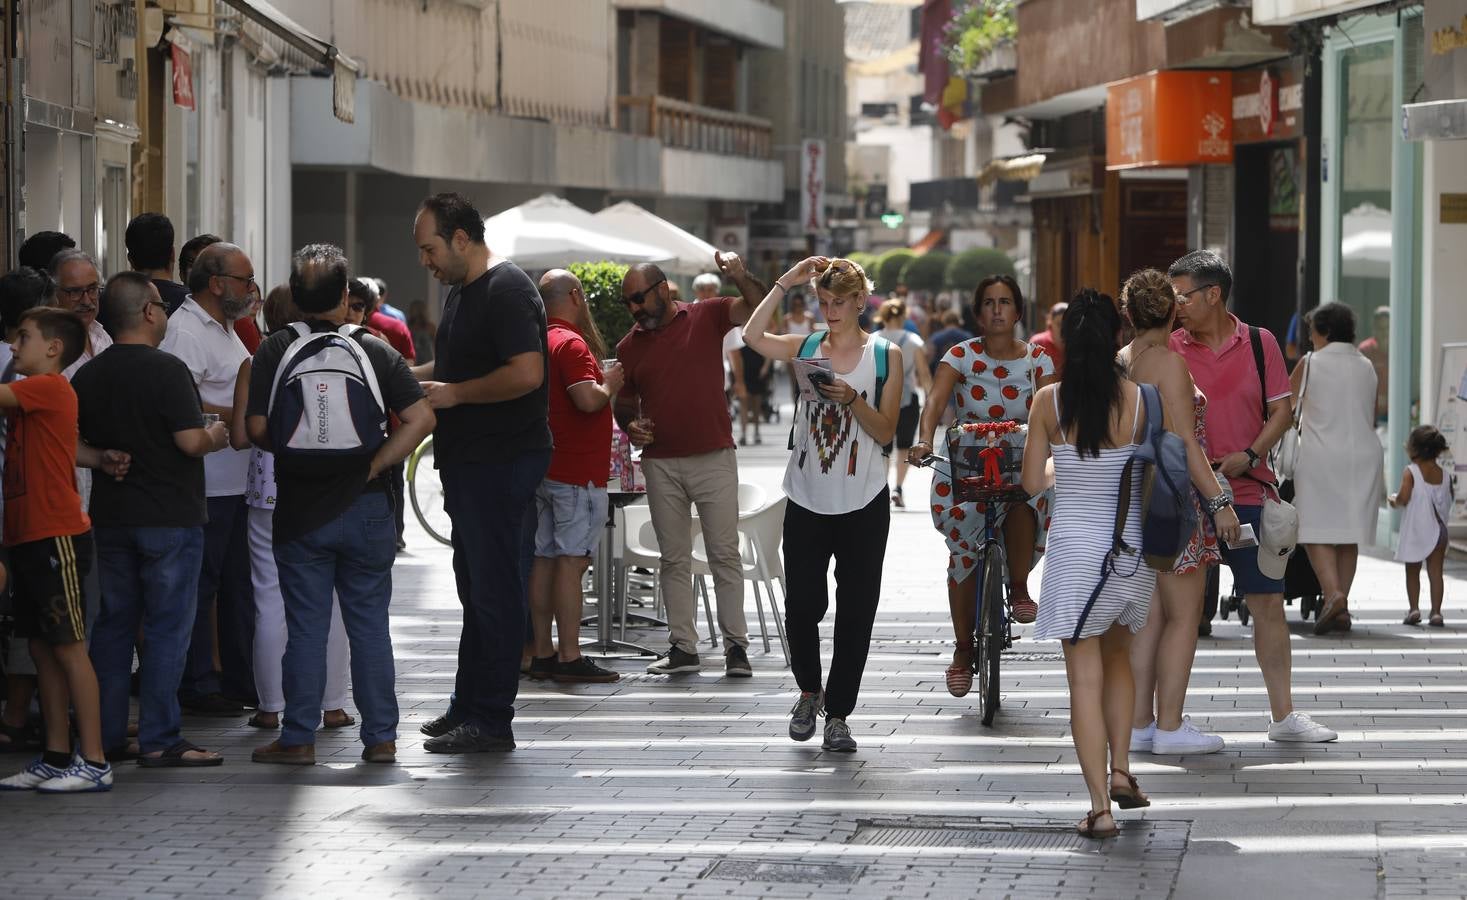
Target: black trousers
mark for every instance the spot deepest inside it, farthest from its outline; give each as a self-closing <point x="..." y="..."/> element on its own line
<point x="857" y="540"/>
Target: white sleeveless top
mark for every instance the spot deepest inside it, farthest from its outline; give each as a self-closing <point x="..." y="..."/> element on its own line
<point x="800" y="328"/>
<point x="1425" y="517"/>
<point x="836" y="467"/>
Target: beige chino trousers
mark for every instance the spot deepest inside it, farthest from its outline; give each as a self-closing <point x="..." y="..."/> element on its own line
<point x="709" y="482"/>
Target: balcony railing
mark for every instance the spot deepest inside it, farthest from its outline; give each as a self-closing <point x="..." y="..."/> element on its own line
<point x="691" y="127"/>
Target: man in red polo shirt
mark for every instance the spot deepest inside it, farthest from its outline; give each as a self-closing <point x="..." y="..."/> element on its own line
<point x="673" y="407"/>
<point x="1219" y="352"/>
<point x="571" y="501"/>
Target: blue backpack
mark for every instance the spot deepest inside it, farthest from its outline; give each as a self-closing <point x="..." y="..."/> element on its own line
<point x="808" y="349"/>
<point x="1168" y="516"/>
<point x="325" y="399"/>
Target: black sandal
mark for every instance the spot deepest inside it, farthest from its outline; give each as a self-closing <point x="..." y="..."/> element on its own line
<point x="1088" y="830"/>
<point x="173" y="758"/>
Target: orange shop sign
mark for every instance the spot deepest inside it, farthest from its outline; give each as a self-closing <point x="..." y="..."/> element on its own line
<point x="1173" y="118"/>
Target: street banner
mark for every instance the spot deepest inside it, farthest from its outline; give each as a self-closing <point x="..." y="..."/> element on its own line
<point x="812" y="186"/>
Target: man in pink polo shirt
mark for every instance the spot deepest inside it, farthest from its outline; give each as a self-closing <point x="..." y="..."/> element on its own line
<point x="1219" y="351"/>
<point x="673" y="407"/>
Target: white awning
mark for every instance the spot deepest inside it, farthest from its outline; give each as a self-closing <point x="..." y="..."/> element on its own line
<point x="551" y="232"/>
<point x="690" y="252"/>
<point x="342" y="69"/>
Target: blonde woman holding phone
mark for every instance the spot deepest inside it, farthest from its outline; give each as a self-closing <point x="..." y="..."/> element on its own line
<point x="836" y="484"/>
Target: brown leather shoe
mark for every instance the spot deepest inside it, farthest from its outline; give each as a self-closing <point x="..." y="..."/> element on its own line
<point x="285" y="755"/>
<point x="385" y="752"/>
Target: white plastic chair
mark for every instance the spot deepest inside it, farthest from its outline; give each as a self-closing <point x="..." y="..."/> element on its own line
<point x="759" y="535"/>
<point x="751" y="498"/>
<point x="640" y="548"/>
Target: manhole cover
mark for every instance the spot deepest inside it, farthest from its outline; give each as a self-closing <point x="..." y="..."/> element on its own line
<point x="783" y="872"/>
<point x="1031" y="837"/>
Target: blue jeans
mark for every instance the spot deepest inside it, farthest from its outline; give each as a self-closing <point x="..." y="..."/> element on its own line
<point x="493" y="534"/>
<point x="149" y="576"/>
<point x="226" y="606"/>
<point x="351" y="555"/>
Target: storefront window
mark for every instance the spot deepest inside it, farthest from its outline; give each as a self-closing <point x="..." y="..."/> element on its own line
<point x="1365" y="195"/>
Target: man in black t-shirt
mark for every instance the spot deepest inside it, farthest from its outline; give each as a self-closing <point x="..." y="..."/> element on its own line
<point x="334" y="527"/>
<point x="492" y="447"/>
<point x="148" y="526"/>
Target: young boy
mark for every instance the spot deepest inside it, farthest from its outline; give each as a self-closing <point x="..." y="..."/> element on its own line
<point x="49" y="540"/>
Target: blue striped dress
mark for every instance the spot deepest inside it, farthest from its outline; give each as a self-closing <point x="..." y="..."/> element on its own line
<point x="1086" y="489"/>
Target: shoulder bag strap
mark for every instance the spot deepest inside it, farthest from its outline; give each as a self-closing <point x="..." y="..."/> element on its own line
<point x="810" y="344"/>
<point x="1303" y="389"/>
<point x="1256" y="340"/>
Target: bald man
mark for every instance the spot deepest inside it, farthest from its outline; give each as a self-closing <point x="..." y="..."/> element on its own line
<point x="222" y="288"/>
<point x="571" y="502"/>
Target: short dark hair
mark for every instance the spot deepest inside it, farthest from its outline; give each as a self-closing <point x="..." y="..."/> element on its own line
<point x="23" y="289"/>
<point x="58" y="324"/>
<point x="190" y="251"/>
<point x="280" y="308"/>
<point x="1425" y="442"/>
<point x="149" y="239"/>
<point x="1335" y="321"/>
<point x="453" y="212"/>
<point x="363" y="290"/>
<point x="1204" y="267"/>
<point x="38" y="249"/>
<point x="318" y="278"/>
<point x="124" y="301"/>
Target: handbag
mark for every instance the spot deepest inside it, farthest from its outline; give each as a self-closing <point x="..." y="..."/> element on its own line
<point x="1286" y="454"/>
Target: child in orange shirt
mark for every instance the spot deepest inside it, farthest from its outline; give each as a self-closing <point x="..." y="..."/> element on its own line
<point x="50" y="549"/>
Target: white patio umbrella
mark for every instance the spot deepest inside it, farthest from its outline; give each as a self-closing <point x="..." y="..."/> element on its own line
<point x="550" y="231"/>
<point x="691" y="253"/>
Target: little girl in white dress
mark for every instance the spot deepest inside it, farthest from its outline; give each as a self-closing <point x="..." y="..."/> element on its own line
<point x="1426" y="494"/>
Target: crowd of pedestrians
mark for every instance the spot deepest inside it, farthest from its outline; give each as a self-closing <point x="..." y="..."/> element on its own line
<point x="230" y="498"/>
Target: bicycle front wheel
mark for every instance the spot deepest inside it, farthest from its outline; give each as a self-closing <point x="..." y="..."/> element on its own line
<point x="990" y="636"/>
<point x="426" y="491"/>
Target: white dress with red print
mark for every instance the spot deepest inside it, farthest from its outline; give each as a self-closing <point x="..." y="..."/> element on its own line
<point x="989" y="389"/>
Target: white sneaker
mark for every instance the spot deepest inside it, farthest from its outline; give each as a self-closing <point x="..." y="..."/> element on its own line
<point x="1141" y="738"/>
<point x="1299" y="728"/>
<point x="1185" y="741"/>
<point x="81" y="778"/>
<point x="27" y="779"/>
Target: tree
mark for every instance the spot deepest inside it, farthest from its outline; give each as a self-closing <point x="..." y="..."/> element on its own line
<point x="867" y="261"/>
<point x="972" y="266"/>
<point x="927" y="272"/>
<point x="889" y="268"/>
<point x="602" y="283"/>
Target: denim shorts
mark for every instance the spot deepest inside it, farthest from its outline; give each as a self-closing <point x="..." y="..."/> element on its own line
<point x="1244" y="560"/>
<point x="571" y="519"/>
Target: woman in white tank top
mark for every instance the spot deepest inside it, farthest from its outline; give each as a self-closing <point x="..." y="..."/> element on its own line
<point x="836" y="482"/>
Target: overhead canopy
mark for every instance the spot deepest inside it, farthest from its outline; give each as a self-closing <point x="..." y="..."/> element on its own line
<point x="549" y="232"/>
<point x="342" y="69"/>
<point x="690" y="253"/>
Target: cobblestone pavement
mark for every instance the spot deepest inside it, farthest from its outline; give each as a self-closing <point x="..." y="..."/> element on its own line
<point x="689" y="787"/>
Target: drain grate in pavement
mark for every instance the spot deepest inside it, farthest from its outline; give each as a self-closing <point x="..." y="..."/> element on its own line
<point x="1034" y="657"/>
<point x="782" y="872"/>
<point x="879" y="834"/>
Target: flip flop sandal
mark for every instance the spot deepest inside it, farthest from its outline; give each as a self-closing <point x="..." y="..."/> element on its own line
<point x="1344" y="621"/>
<point x="256" y="722"/>
<point x="346" y="722"/>
<point x="1128" y="797"/>
<point x="1088" y="829"/>
<point x="1324" y="622"/>
<point x="1412" y="618"/>
<point x="174" y="758"/>
<point x="1437" y="621"/>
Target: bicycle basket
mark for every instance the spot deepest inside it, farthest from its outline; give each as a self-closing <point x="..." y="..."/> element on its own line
<point x="987" y="461"/>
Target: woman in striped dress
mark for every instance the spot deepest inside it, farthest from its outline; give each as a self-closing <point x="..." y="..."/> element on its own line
<point x="1090" y="423"/>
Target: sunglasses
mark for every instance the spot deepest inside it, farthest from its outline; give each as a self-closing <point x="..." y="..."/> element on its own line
<point x="640" y="297"/>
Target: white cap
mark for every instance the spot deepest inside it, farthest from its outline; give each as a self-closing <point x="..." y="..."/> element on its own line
<point x="1280" y="535"/>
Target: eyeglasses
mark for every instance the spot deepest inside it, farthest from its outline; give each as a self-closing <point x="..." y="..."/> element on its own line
<point x="640" y="297"/>
<point x="247" y="279"/>
<point x="160" y="304"/>
<point x="93" y="290"/>
<point x="1185" y="297"/>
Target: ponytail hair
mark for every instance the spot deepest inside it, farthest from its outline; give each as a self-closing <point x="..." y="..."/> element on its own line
<point x="1090" y="388"/>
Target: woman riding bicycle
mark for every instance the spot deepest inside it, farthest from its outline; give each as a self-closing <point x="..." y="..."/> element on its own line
<point x="993" y="377"/>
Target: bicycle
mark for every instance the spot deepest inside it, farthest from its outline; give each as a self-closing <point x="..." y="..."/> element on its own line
<point x="426" y="492"/>
<point x="993" y="630"/>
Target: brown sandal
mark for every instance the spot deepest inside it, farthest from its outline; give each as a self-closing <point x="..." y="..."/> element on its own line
<point x="1087" y="828"/>
<point x="1128" y="797"/>
<point x="1324" y="620"/>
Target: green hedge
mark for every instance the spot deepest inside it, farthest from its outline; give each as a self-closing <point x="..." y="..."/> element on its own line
<point x="889" y="268"/>
<point x="972" y="266"/>
<point x="602" y="283"/>
<point x="927" y="272"/>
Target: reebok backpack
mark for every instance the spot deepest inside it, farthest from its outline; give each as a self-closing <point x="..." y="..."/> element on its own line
<point x="325" y="399"/>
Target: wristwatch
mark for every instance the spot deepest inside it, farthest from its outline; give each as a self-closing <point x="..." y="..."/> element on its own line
<point x="1218" y="504"/>
<point x="1252" y="457"/>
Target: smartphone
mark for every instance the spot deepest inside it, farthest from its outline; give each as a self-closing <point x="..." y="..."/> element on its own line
<point x="1246" y="538"/>
<point x="821" y="378"/>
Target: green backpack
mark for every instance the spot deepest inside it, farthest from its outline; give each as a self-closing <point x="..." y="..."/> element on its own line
<point x="807" y="350"/>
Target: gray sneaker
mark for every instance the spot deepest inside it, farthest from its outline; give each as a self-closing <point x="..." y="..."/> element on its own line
<point x="675" y="662"/>
<point x="802" y="717"/>
<point x="838" y="737"/>
<point x="736" y="663"/>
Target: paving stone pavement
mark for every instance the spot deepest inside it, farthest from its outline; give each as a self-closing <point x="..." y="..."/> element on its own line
<point x="689" y="787"/>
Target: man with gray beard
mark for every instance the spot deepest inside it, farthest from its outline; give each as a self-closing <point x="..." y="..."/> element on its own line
<point x="222" y="289"/>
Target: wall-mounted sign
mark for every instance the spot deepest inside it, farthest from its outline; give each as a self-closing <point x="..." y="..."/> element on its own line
<point x="1173" y="118"/>
<point x="1268" y="104"/>
<point x="1454" y="209"/>
<point x="183" y="78"/>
